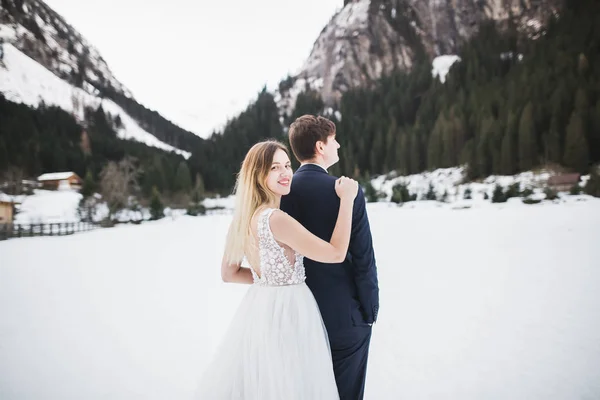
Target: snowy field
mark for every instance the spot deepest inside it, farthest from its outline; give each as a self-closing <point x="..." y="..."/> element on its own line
<point x="495" y="302"/>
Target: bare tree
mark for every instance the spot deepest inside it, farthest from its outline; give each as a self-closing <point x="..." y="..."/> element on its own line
<point x="12" y="181"/>
<point x="118" y="181"/>
<point x="85" y="144"/>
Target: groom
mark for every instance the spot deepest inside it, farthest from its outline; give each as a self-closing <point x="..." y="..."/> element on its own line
<point x="347" y="293"/>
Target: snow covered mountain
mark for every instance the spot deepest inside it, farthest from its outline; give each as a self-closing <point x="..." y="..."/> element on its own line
<point x="368" y="38"/>
<point x="23" y="80"/>
<point x="45" y="60"/>
<point x="43" y="35"/>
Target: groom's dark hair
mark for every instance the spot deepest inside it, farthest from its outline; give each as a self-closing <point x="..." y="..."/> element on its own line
<point x="306" y="131"/>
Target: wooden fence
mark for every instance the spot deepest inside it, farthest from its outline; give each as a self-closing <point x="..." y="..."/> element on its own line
<point x="8" y="231"/>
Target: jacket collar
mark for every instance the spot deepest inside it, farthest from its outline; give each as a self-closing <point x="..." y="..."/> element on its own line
<point x="312" y="167"/>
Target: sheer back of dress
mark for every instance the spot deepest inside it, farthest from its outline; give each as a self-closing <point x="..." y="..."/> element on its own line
<point x="278" y="266"/>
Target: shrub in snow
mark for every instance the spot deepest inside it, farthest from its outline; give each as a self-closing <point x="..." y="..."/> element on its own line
<point x="531" y="201"/>
<point x="593" y="185"/>
<point x="526" y="192"/>
<point x="196" y="209"/>
<point x="444" y="197"/>
<point x="400" y="193"/>
<point x="498" y="196"/>
<point x="467" y="194"/>
<point x="550" y="194"/>
<point x="87" y="208"/>
<point x="430" y="193"/>
<point x="371" y="194"/>
<point x="575" y="189"/>
<point x="512" y="191"/>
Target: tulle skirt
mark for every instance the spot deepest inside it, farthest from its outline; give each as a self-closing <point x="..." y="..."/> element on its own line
<point x="276" y="348"/>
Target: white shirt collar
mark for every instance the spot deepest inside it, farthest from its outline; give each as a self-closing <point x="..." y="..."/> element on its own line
<point x="318" y="165"/>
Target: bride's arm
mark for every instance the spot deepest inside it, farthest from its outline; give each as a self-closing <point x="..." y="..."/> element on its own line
<point x="289" y="231"/>
<point x="235" y="273"/>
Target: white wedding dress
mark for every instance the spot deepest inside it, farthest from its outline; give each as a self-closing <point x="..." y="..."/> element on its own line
<point x="276" y="347"/>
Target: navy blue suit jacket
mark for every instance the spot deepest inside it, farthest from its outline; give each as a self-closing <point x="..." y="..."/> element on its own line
<point x="347" y="293"/>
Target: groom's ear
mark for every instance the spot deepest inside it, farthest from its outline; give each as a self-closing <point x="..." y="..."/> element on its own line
<point x="319" y="147"/>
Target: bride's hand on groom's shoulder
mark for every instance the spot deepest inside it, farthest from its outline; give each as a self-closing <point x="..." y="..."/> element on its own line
<point x="346" y="188"/>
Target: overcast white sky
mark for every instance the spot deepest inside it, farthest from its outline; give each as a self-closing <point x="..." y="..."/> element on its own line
<point x="199" y="62"/>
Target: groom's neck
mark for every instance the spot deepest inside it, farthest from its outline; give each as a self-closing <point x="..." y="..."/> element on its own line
<point x="315" y="162"/>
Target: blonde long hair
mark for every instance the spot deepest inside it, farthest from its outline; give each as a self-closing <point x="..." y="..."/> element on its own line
<point x="251" y="192"/>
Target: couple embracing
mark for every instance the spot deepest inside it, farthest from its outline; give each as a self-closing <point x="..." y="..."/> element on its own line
<point x="304" y="327"/>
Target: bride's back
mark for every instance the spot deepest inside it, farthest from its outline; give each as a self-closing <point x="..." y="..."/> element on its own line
<point x="272" y="263"/>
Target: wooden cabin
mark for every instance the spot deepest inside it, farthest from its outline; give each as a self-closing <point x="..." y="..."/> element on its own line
<point x="60" y="180"/>
<point x="563" y="182"/>
<point x="6" y="209"/>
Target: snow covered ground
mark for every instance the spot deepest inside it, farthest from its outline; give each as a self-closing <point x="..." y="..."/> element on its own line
<point x="49" y="206"/>
<point x="59" y="206"/>
<point x="498" y="302"/>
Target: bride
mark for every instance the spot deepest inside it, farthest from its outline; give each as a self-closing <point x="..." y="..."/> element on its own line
<point x="276" y="347"/>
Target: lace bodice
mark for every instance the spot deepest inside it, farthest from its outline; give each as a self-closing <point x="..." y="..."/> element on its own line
<point x="275" y="267"/>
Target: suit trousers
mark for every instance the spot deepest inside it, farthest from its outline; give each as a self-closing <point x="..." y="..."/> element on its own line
<point x="350" y="351"/>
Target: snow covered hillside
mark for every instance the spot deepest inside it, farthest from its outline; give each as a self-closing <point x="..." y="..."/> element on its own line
<point x="449" y="181"/>
<point x="441" y="66"/>
<point x="489" y="303"/>
<point x="23" y="80"/>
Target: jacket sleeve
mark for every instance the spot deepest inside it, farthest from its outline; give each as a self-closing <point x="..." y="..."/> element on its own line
<point x="288" y="205"/>
<point x="363" y="260"/>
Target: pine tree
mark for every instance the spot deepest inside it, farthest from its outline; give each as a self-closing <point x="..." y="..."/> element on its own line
<point x="594" y="133"/>
<point x="459" y="134"/>
<point x="483" y="156"/>
<point x="506" y="155"/>
<point x="377" y="153"/>
<point x="553" y="142"/>
<point x="581" y="101"/>
<point x="89" y="186"/>
<point x="156" y="206"/>
<point x="415" y="154"/>
<point x="435" y="148"/>
<point x="154" y="176"/>
<point x="3" y="155"/>
<point x="402" y="152"/>
<point x="199" y="191"/>
<point x="527" y="140"/>
<point x="508" y="150"/>
<point x="183" y="180"/>
<point x="390" y="147"/>
<point x="576" y="148"/>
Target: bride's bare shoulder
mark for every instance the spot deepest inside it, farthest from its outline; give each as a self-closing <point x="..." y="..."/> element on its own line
<point x="280" y="220"/>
